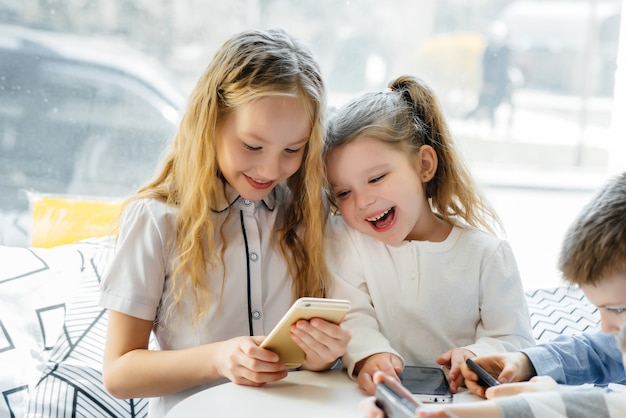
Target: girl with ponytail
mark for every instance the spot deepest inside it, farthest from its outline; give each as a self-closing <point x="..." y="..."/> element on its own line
<point x="413" y="242"/>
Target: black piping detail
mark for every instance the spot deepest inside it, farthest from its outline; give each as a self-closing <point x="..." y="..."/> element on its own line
<point x="245" y="240"/>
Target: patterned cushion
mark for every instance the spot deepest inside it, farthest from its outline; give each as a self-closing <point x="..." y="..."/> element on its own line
<point x="560" y="311"/>
<point x="71" y="383"/>
<point x="33" y="286"/>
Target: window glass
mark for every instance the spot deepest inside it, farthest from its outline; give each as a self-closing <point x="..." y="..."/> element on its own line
<point x="90" y="92"/>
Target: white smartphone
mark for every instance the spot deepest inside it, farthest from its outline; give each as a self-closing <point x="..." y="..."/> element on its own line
<point x="427" y="384"/>
<point x="279" y="340"/>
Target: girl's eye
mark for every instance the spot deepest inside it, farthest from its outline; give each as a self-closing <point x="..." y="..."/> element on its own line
<point x="292" y="151"/>
<point x="617" y="310"/>
<point x="250" y="147"/>
<point x="377" y="179"/>
<point x="341" y="195"/>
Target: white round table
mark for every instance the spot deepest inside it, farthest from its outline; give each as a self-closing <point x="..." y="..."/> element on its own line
<point x="301" y="394"/>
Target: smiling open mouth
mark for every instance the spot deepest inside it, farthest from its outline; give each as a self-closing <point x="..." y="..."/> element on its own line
<point x="384" y="219"/>
<point x="258" y="184"/>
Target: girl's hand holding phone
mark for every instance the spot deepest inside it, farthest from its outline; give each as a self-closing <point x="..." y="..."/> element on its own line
<point x="243" y="362"/>
<point x="323" y="342"/>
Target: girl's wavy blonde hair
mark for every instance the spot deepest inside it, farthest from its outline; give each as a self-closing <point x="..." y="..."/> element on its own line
<point x="250" y="65"/>
<point x="409" y="116"/>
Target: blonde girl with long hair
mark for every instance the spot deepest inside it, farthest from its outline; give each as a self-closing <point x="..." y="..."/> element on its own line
<point x="213" y="251"/>
<point x="414" y="243"/>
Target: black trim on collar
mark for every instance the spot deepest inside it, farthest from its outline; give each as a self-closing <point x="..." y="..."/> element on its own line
<point x="231" y="197"/>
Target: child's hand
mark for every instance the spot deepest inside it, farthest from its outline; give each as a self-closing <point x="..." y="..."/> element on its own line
<point x="454" y="359"/>
<point x="506" y="367"/>
<point x="242" y="361"/>
<point x="536" y="384"/>
<point x="384" y="362"/>
<point x="369" y="409"/>
<point x="322" y="342"/>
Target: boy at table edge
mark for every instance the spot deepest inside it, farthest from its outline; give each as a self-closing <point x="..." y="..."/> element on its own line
<point x="593" y="257"/>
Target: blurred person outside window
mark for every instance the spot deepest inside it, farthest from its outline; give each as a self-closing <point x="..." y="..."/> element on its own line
<point x="496" y="84"/>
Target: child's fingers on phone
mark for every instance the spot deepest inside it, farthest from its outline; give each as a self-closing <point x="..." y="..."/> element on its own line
<point x="456" y="383"/>
<point x="437" y="413"/>
<point x="369" y="409"/>
<point x="445" y="358"/>
<point x="537" y="384"/>
<point x="469" y="374"/>
<point x="394" y="382"/>
<point x="256" y="378"/>
<point x="504" y="390"/>
<point x="261" y="354"/>
<point x="258" y="339"/>
<point x="474" y="387"/>
<point x="382" y="376"/>
<point x="379" y="377"/>
<point x="366" y="382"/>
<point x="320" y="332"/>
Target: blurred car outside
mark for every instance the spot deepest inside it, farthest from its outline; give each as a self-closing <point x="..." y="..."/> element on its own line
<point x="78" y="117"/>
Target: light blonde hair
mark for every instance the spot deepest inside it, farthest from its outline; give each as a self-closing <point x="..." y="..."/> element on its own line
<point x="248" y="66"/>
<point x="595" y="243"/>
<point x="409" y="116"/>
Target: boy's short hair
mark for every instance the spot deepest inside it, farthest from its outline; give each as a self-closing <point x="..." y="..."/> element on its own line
<point x="595" y="243"/>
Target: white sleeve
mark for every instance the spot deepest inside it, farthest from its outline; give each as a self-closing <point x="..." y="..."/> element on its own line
<point x="505" y="321"/>
<point x="344" y="261"/>
<point x="134" y="281"/>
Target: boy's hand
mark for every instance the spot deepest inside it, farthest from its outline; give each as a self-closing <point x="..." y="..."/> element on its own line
<point x="505" y="367"/>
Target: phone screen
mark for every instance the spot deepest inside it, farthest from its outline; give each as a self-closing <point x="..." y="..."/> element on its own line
<point x="431" y="382"/>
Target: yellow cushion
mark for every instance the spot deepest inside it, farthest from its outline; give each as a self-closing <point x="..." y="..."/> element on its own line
<point x="59" y="220"/>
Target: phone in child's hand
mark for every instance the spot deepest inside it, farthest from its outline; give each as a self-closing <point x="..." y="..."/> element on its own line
<point x="484" y="379"/>
<point x="427" y="384"/>
<point x="279" y="339"/>
<point x="394" y="400"/>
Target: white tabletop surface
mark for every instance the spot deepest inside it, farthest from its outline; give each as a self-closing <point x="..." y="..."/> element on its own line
<point x="301" y="394"/>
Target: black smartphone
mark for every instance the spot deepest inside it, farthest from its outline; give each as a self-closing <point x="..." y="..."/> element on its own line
<point x="395" y="402"/>
<point x="484" y="379"/>
<point x="427" y="384"/>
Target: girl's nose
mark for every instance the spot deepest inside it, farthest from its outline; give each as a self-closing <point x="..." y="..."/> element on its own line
<point x="364" y="200"/>
<point x="270" y="168"/>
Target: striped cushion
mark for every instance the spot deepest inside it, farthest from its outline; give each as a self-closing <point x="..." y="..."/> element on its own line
<point x="71" y="383"/>
<point x="33" y="286"/>
<point x="560" y="311"/>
